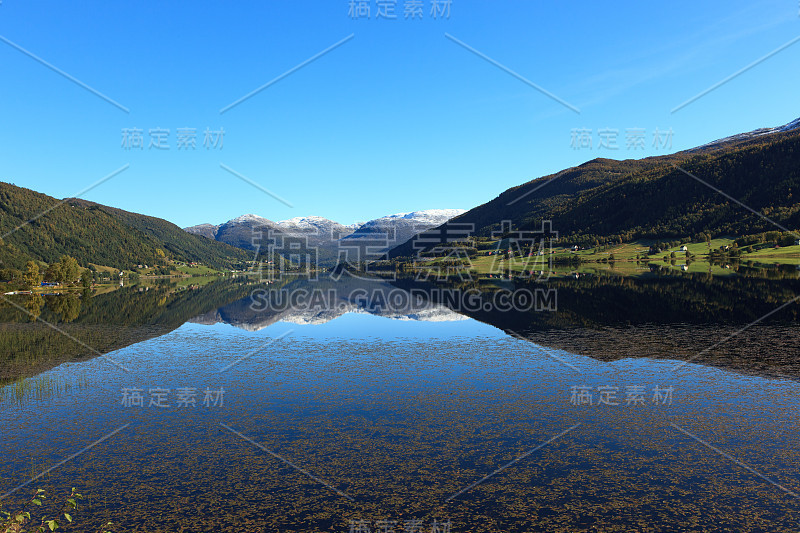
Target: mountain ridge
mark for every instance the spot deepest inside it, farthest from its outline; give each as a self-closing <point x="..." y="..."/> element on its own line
<point x="42" y="228"/>
<point x="250" y="232"/>
<point x="670" y="196"/>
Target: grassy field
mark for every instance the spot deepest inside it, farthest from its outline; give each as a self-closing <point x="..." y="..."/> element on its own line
<point x="200" y="270"/>
<point x="788" y="255"/>
<point x="625" y="259"/>
<point x="622" y="252"/>
<point x="102" y="268"/>
<point x="495" y="264"/>
<point x="629" y="251"/>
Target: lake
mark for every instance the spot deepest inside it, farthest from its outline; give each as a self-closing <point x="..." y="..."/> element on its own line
<point x="667" y="403"/>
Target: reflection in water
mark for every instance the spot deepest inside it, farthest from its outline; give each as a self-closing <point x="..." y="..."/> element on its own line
<point x="65" y="306"/>
<point x="747" y="323"/>
<point x="33" y="304"/>
<point x="318" y="302"/>
<point x="609" y="318"/>
<point x="79" y="325"/>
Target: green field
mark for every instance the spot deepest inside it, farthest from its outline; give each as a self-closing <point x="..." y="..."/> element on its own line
<point x="625" y="259"/>
<point x="200" y="270"/>
<point x="787" y="255"/>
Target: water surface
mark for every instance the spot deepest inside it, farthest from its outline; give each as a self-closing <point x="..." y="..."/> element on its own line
<point x="347" y="418"/>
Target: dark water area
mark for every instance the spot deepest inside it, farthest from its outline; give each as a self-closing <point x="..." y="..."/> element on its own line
<point x="661" y="404"/>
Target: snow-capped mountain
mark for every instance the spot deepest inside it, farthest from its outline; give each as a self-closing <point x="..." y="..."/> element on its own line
<point x="431" y="217"/>
<point x="236" y="232"/>
<point x="242" y="232"/>
<point x="321" y="227"/>
<point x="793" y="125"/>
<point x="325" y="235"/>
<point x="399" y="228"/>
<point x="250" y="219"/>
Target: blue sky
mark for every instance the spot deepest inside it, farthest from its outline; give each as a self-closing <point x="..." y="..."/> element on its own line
<point x="398" y="118"/>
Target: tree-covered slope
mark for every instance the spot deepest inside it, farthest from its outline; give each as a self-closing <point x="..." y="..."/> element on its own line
<point x="608" y="200"/>
<point x="93" y="233"/>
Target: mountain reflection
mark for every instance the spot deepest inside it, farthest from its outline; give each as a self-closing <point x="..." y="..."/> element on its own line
<point x="745" y="322"/>
<point x="318" y="302"/>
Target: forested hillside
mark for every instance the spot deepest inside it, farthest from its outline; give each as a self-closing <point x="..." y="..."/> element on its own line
<point x="605" y="200"/>
<point x="93" y="233"/>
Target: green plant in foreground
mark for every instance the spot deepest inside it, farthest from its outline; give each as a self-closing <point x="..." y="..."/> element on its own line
<point x="16" y="522"/>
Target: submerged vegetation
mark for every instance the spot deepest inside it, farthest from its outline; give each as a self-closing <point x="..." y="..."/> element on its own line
<point x="21" y="521"/>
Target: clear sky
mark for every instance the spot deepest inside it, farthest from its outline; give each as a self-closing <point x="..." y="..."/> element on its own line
<point x="398" y="118"/>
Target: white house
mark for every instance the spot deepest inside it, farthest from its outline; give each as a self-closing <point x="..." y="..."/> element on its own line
<point x="684" y="248"/>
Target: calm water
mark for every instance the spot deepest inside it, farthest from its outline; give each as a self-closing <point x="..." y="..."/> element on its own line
<point x="350" y="418"/>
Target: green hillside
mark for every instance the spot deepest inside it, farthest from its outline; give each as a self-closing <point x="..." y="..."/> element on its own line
<point x="93" y="233"/>
<point x="621" y="201"/>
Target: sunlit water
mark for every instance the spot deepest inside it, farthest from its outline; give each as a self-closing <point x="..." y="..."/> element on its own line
<point x="368" y="422"/>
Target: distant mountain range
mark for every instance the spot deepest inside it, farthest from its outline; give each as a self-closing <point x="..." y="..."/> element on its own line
<point x="318" y="225"/>
<point x="667" y="197"/>
<point x="370" y="239"/>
